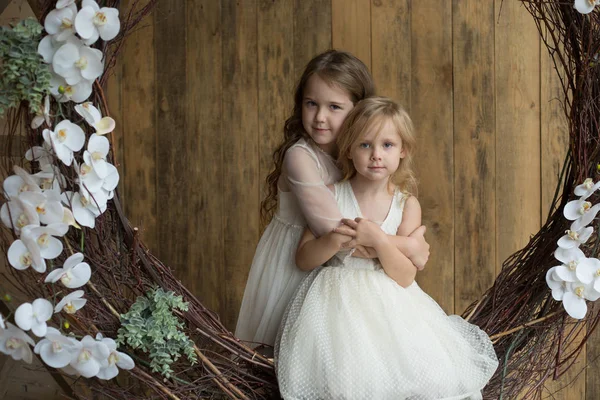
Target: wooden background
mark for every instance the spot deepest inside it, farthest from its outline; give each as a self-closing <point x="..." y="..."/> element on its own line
<point x="204" y="86"/>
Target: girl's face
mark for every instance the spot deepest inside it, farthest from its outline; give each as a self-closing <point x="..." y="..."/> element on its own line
<point x="324" y="108"/>
<point x="377" y="154"/>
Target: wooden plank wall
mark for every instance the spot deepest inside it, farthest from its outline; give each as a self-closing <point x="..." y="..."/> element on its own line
<point x="203" y="90"/>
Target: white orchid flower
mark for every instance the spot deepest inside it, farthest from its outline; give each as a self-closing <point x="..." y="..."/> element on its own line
<point x="64" y="92"/>
<point x="55" y="349"/>
<point x="73" y="274"/>
<point x="93" y="22"/>
<point x="111" y="181"/>
<point x="19" y="183"/>
<point x="576" y="295"/>
<point x="572" y="259"/>
<point x="78" y="62"/>
<point x="71" y="303"/>
<point x="15" y="343"/>
<point x="66" y="138"/>
<point x="43" y="115"/>
<point x="575" y="237"/>
<point x="47" y="205"/>
<point x="40" y="242"/>
<point x="2" y="326"/>
<point x="590" y="274"/>
<point x="93" y="117"/>
<point x="64" y="3"/>
<point x="115" y="359"/>
<point x="60" y="22"/>
<point x="21" y="257"/>
<point x="50" y="178"/>
<point x="96" y="153"/>
<point x="50" y="43"/>
<point x="90" y="356"/>
<point x="580" y="211"/>
<point x="557" y="285"/>
<point x="17" y="214"/>
<point x="587" y="188"/>
<point x="41" y="154"/>
<point x="85" y="210"/>
<point x="34" y="316"/>
<point x="69" y="219"/>
<point x="585" y="6"/>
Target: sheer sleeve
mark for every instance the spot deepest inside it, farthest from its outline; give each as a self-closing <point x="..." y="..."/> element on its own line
<point x="307" y="181"/>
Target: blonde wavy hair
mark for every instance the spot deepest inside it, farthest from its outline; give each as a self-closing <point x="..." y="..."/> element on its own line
<point x="370" y="114"/>
<point x="337" y="68"/>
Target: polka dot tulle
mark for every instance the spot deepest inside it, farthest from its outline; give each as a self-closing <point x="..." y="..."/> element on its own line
<point x="351" y="332"/>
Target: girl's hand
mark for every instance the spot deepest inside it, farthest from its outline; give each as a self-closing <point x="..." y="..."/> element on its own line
<point x="364" y="252"/>
<point x="420" y="248"/>
<point x="368" y="233"/>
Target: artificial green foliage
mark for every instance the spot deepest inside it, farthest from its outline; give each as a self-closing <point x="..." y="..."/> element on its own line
<point x="23" y="73"/>
<point x="150" y="325"/>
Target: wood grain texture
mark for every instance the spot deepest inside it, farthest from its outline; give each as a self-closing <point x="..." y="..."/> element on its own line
<point x="351" y="28"/>
<point x="312" y="32"/>
<point x="138" y="128"/>
<point x="204" y="144"/>
<point x="391" y="49"/>
<point x="241" y="169"/>
<point x="517" y="55"/>
<point x="431" y="108"/>
<point x="474" y="150"/>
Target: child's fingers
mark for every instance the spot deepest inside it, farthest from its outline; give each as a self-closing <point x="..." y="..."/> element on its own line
<point x="350" y="244"/>
<point x="349" y="222"/>
<point x="345" y="230"/>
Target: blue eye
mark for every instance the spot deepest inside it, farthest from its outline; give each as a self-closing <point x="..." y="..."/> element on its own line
<point x="388" y="145"/>
<point x="310" y="103"/>
<point x="364" y="145"/>
<point x="335" y="107"/>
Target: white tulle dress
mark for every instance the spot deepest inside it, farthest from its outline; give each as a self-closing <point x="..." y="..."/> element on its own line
<point x="273" y="278"/>
<point x="351" y="332"/>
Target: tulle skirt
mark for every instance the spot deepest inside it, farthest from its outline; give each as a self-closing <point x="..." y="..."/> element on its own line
<point x="272" y="281"/>
<point x="356" y="334"/>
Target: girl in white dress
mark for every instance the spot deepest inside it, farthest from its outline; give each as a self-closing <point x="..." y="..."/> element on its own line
<point x="362" y="328"/>
<point x="331" y="84"/>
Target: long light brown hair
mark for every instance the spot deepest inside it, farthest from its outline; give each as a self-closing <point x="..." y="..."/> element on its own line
<point x="337" y="68"/>
<point x="371" y="114"/>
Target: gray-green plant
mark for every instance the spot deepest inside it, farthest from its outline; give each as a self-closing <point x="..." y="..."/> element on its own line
<point x="150" y="325"/>
<point x="23" y="73"/>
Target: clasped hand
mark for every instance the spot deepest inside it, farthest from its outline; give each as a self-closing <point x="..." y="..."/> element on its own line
<point x="365" y="233"/>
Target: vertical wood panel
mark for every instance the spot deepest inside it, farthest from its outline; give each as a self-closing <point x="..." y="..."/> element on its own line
<point x="518" y="182"/>
<point x="431" y="107"/>
<point x="275" y="78"/>
<point x="474" y="150"/>
<point x="173" y="153"/>
<point x="312" y="32"/>
<point x="239" y="122"/>
<point x="139" y="131"/>
<point x="205" y="142"/>
<point x="391" y="49"/>
<point x="351" y="28"/>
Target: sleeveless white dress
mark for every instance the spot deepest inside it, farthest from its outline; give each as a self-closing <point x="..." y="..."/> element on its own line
<point x="351" y="332"/>
<point x="273" y="276"/>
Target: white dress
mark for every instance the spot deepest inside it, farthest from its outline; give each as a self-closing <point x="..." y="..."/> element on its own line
<point x="351" y="332"/>
<point x="273" y="276"/>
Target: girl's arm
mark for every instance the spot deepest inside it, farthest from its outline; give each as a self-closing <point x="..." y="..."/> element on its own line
<point x="316" y="201"/>
<point x="395" y="264"/>
<point x="414" y="246"/>
<point x="313" y="252"/>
